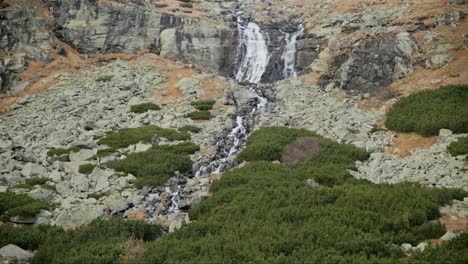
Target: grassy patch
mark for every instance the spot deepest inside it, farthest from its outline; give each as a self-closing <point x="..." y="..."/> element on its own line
<point x="456" y="251"/>
<point x="96" y="196"/>
<point x="104" y="78"/>
<point x="203" y="105"/>
<point x="86" y="168"/>
<point x="19" y="204"/>
<point x="199" y="115"/>
<point x="141" y="108"/>
<point x="29" y="183"/>
<point x="267" y="213"/>
<point x="428" y="111"/>
<point x="459" y="147"/>
<point x="156" y="165"/>
<point x="128" y="136"/>
<point x="189" y="128"/>
<point x="61" y="151"/>
<point x="101" y="153"/>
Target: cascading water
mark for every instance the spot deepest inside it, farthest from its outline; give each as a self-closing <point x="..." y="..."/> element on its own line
<point x="255" y="58"/>
<point x="289" y="54"/>
<point x="253" y="51"/>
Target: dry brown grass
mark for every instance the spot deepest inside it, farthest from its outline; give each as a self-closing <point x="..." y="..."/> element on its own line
<point x="301" y="150"/>
<point x="404" y="144"/>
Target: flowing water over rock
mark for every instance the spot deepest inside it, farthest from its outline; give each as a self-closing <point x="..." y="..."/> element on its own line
<point x="254" y="59"/>
<point x="289" y="54"/>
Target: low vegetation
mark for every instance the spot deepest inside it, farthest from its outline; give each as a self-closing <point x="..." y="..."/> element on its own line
<point x="102" y="153"/>
<point x="99" y="242"/>
<point x="267" y="213"/>
<point x="203" y="105"/>
<point x="104" y="78"/>
<point x="156" y="165"/>
<point x="86" y="168"/>
<point x="61" y="151"/>
<point x="189" y="128"/>
<point x="141" y="108"/>
<point x="459" y="147"/>
<point x="29" y="183"/>
<point x="200" y="115"/>
<point x="428" y="111"/>
<point x="12" y="204"/>
<point x="128" y="136"/>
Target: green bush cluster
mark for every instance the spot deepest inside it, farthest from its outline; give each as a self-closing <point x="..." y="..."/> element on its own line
<point x="203" y="105"/>
<point x="128" y="136"/>
<point x="100" y="242"/>
<point x="12" y="204"/>
<point x="459" y="147"/>
<point x="27" y="237"/>
<point x="101" y="153"/>
<point x="189" y="128"/>
<point x="200" y="115"/>
<point x="61" y="151"/>
<point x="267" y="213"/>
<point x="455" y="252"/>
<point x="86" y="168"/>
<point x="141" y="108"/>
<point x="268" y="144"/>
<point x="104" y="78"/>
<point x="29" y="183"/>
<point x="156" y="165"/>
<point x="428" y="111"/>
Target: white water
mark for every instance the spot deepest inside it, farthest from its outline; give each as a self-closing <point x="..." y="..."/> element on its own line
<point x="289" y="54"/>
<point x="252" y="67"/>
<point x="256" y="57"/>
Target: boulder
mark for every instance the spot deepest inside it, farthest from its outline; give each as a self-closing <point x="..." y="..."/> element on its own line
<point x="83" y="155"/>
<point x="15" y="253"/>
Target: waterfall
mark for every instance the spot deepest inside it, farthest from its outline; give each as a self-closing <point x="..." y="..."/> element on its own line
<point x="253" y="50"/>
<point x="255" y="57"/>
<point x="289" y="53"/>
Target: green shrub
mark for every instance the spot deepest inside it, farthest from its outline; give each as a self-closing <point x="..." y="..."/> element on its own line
<point x="96" y="196"/>
<point x="199" y="115"/>
<point x="428" y="111"/>
<point x="19" y="204"/>
<point x="453" y="252"/>
<point x="128" y="136"/>
<point x="267" y="213"/>
<point x="61" y="151"/>
<point x="141" y="108"/>
<point x="100" y="242"/>
<point x="459" y="147"/>
<point x="21" y="186"/>
<point x="189" y="128"/>
<point x="156" y="165"/>
<point x="104" y="78"/>
<point x="36" y="181"/>
<point x="26" y="237"/>
<point x="203" y="105"/>
<point x="86" y="168"/>
<point x="101" y="153"/>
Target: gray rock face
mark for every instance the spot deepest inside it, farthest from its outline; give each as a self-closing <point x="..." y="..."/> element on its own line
<point x="308" y="49"/>
<point x="22" y="29"/>
<point x="94" y="27"/>
<point x="373" y="64"/>
<point x="202" y="44"/>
